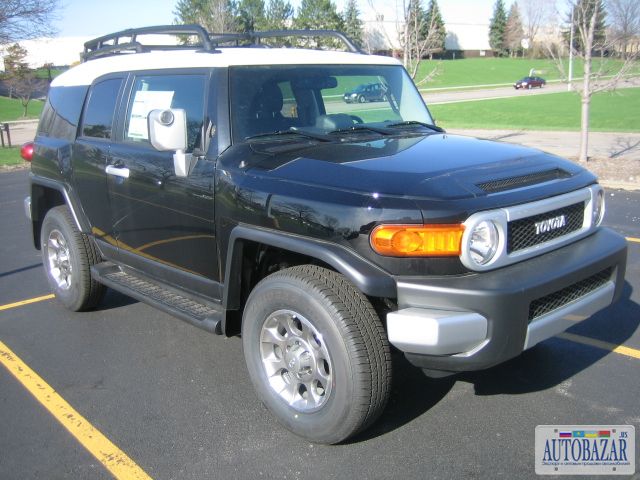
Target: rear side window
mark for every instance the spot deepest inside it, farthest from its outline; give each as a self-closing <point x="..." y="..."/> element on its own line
<point x="61" y="113"/>
<point x="152" y="92"/>
<point x="97" y="120"/>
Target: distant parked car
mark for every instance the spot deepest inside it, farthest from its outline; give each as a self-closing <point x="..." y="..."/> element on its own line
<point x="370" y="92"/>
<point x="530" y="82"/>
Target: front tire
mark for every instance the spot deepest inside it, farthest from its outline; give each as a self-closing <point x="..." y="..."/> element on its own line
<point x="67" y="255"/>
<point x="317" y="353"/>
<point x="361" y="99"/>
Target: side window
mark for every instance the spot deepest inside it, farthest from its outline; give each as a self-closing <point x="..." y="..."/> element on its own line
<point x="98" y="113"/>
<point x="152" y="92"/>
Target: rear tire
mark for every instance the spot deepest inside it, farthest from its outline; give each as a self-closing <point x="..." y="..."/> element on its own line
<point x="67" y="255"/>
<point x="317" y="353"/>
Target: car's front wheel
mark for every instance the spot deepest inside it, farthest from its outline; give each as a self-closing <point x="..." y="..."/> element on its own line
<point x="317" y="353"/>
<point x="361" y="99"/>
<point x="67" y="255"/>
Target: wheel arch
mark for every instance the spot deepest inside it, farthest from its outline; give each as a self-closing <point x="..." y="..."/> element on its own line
<point x="370" y="279"/>
<point x="45" y="195"/>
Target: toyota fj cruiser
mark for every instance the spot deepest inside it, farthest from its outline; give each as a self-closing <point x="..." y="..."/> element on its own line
<point x="229" y="184"/>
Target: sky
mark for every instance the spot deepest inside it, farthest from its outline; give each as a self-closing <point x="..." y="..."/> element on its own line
<point x="94" y="18"/>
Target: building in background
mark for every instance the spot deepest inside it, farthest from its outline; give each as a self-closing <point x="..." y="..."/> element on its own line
<point x="59" y="52"/>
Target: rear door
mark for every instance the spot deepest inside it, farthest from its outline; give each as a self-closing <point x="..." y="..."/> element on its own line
<point x="90" y="153"/>
<point x="164" y="224"/>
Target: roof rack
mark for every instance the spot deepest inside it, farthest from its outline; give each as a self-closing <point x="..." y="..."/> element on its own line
<point x="111" y="44"/>
<point x="255" y="38"/>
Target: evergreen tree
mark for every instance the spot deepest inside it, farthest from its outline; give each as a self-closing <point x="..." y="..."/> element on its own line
<point x="497" y="28"/>
<point x="319" y="15"/>
<point x="415" y="28"/>
<point x="514" y="32"/>
<point x="352" y="22"/>
<point x="250" y="15"/>
<point x="279" y="15"/>
<point x="15" y="60"/>
<point x="435" y="26"/>
<point x="214" y="15"/>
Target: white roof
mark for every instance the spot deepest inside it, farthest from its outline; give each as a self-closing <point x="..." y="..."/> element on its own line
<point x="86" y="73"/>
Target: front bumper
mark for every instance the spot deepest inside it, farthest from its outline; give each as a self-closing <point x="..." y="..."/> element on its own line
<point x="476" y="321"/>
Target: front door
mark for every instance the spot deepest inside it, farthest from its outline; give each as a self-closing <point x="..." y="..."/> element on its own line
<point x="164" y="224"/>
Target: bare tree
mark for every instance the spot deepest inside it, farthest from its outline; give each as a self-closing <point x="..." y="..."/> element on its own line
<point x="419" y="37"/>
<point x="513" y="33"/>
<point x="24" y="89"/>
<point x="624" y="16"/>
<point x="606" y="75"/>
<point x="536" y="13"/>
<point x="24" y="19"/>
<point x="213" y="15"/>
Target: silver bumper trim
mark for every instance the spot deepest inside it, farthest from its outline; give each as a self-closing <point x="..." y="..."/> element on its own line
<point x="435" y="332"/>
<point x="559" y="320"/>
<point x="27" y="207"/>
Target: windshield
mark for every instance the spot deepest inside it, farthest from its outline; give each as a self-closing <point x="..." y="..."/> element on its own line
<point x="321" y="99"/>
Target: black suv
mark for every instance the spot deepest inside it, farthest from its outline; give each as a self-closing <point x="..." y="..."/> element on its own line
<point x="237" y="191"/>
<point x="371" y="92"/>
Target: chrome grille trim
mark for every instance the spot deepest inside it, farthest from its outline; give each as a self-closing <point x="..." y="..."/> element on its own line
<point x="501" y="218"/>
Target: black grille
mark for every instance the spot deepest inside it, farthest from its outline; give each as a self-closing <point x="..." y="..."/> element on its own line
<point x="555" y="300"/>
<point x="523" y="233"/>
<point x="503" y="184"/>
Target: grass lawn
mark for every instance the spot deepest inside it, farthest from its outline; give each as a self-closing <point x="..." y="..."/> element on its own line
<point x="10" y="156"/>
<point x="11" y="109"/>
<point x="610" y="112"/>
<point x="487" y="71"/>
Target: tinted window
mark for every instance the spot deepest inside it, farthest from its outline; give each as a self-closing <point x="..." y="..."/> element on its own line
<point x="98" y="115"/>
<point x="151" y="92"/>
<point x="61" y="113"/>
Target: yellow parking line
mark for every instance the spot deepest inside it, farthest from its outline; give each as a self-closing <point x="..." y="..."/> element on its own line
<point x="612" y="347"/>
<point x="634" y="240"/>
<point x="27" y="301"/>
<point x="114" y="459"/>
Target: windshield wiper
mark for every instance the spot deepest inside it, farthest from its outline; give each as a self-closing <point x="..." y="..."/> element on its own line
<point x="415" y="122"/>
<point x="302" y="133"/>
<point x="364" y="128"/>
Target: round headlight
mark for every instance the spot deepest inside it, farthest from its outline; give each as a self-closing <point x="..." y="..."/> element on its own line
<point x="483" y="242"/>
<point x="598" y="208"/>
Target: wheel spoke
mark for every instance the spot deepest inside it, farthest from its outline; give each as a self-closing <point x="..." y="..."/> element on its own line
<point x="271" y="335"/>
<point x="295" y="360"/>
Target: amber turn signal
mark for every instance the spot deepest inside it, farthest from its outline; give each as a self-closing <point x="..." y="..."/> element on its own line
<point x="417" y="240"/>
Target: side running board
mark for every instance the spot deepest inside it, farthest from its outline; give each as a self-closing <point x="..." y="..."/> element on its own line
<point x="203" y="315"/>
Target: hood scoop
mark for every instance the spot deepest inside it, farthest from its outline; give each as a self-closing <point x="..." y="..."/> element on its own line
<point x="511" y="183"/>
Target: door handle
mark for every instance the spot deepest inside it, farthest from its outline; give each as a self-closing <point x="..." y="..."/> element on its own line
<point x="118" y="172"/>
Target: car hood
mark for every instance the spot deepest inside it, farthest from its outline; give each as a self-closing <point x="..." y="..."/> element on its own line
<point x="437" y="166"/>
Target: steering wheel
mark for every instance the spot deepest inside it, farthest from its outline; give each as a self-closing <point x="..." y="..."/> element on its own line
<point x="356" y="119"/>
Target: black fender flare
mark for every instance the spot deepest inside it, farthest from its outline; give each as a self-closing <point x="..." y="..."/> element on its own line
<point x="40" y="205"/>
<point x="367" y="277"/>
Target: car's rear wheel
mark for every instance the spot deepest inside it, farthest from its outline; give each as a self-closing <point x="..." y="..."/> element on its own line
<point x="68" y="255"/>
<point x="317" y="353"/>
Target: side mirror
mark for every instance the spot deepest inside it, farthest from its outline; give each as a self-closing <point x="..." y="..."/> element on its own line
<point x="168" y="131"/>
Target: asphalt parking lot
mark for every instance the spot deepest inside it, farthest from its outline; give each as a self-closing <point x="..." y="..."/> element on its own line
<point x="178" y="402"/>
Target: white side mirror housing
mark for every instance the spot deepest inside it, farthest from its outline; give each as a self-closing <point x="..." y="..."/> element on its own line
<point x="167" y="132"/>
<point x="168" y="129"/>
